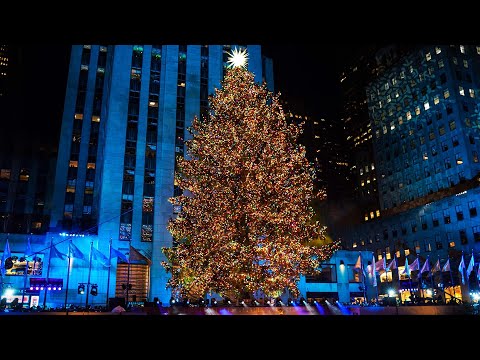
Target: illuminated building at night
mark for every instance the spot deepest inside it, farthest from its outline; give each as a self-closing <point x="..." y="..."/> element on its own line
<point x="126" y="111"/>
<point x="26" y="158"/>
<point x="361" y="189"/>
<point x="4" y="70"/>
<point x="425" y="134"/>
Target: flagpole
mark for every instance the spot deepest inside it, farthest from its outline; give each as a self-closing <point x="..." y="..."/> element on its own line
<point x="463" y="274"/>
<point x="468" y="275"/>
<point x="89" y="272"/>
<point x="364" y="286"/>
<point x="109" y="268"/>
<point x="409" y="279"/>
<point x="68" y="278"/>
<point x="25" y="276"/>
<point x="419" y="279"/>
<point x="451" y="280"/>
<point x="432" y="284"/>
<point x="386" y="273"/>
<point x="128" y="269"/>
<point x="375" y="279"/>
<point x="48" y="271"/>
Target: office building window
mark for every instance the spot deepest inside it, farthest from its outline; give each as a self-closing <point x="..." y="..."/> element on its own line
<point x="423" y="221"/>
<point x="475" y="156"/>
<point x="414" y="226"/>
<point x="455" y="141"/>
<point x="448" y="165"/>
<point x="452" y="125"/>
<point x="472" y="209"/>
<point x="476" y="233"/>
<point x="428" y="245"/>
<point x="4" y="174"/>
<point x="446" y="217"/>
<point x="463" y="237"/>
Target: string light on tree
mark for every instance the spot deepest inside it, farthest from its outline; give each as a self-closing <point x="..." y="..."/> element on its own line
<point x="246" y="221"/>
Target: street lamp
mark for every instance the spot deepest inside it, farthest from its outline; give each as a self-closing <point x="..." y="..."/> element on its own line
<point x="81" y="289"/>
<point x="94" y="290"/>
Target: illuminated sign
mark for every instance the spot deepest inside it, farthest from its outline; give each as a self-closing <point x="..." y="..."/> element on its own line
<point x="16" y="265"/>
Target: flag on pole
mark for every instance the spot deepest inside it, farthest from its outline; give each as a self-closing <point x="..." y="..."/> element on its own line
<point x="406" y="270"/>
<point x="358" y="264"/>
<point x="461" y="267"/>
<point x="415" y="265"/>
<point x="119" y="254"/>
<point x="380" y="264"/>
<point x="97" y="255"/>
<point x="135" y="255"/>
<point x="446" y="267"/>
<point x="436" y="267"/>
<point x="478" y="273"/>
<point x="6" y="254"/>
<point x="76" y="253"/>
<point x="392" y="265"/>
<point x="28" y="250"/>
<point x="55" y="253"/>
<point x="470" y="266"/>
<point x="425" y="267"/>
<point x="374" y="273"/>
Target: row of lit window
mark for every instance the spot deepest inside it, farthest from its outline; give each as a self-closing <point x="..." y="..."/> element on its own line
<point x="362" y="141"/>
<point x="6" y="173"/>
<point x="367" y="181"/>
<point x="68" y="210"/>
<point x="462" y="235"/>
<point x="102" y="48"/>
<point x="88" y="187"/>
<point x="373" y="214"/>
<point x="427" y="173"/>
<point x="431" y="135"/>
<point x="430" y="188"/>
<point x="436" y="101"/>
<point x="421" y="77"/>
<point x="80" y="117"/>
<point x="444" y="145"/>
<point x="372" y="166"/>
<point x="74" y="164"/>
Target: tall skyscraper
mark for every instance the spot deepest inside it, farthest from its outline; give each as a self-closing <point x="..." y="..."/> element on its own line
<point x="362" y="182"/>
<point x="426" y="139"/>
<point x="26" y="160"/>
<point x="4" y="70"/>
<point x="126" y="112"/>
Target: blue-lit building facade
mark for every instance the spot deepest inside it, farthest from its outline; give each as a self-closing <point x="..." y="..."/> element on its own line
<point x="126" y="111"/>
<point x="426" y="139"/>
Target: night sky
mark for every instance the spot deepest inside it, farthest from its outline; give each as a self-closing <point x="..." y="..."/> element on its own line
<point x="309" y="74"/>
<point x="304" y="74"/>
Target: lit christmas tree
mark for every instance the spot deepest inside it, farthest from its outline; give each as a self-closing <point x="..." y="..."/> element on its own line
<point x="245" y="222"/>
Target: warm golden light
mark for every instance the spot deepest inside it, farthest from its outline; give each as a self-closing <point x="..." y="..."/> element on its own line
<point x="245" y="221"/>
